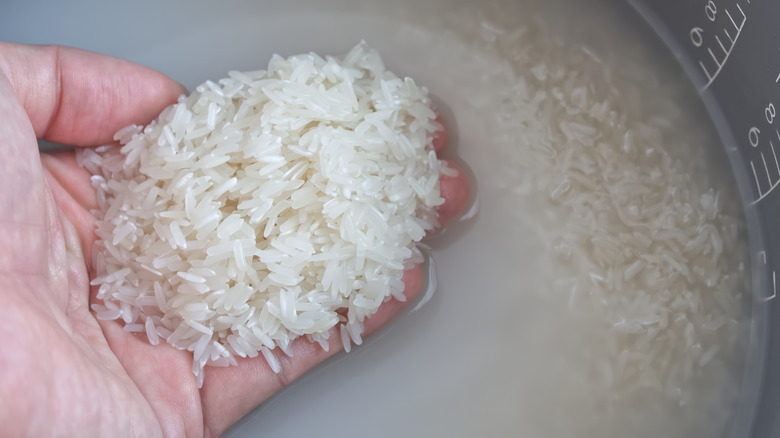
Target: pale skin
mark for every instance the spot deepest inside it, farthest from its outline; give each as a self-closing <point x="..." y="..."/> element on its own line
<point x="62" y="372"/>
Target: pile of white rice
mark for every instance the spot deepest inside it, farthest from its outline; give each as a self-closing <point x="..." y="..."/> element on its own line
<point x="266" y="206"/>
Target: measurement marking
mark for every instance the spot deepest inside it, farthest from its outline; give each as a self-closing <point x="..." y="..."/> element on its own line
<point x="732" y="19"/>
<point x="762" y="254"/>
<point x="712" y="55"/>
<point x="711" y="76"/>
<point x="777" y="79"/>
<point x="762" y="194"/>
<point x="774" y="287"/>
<point x="744" y="17"/>
<point x="721" y="44"/>
<point x="755" y="176"/>
<point x="726" y="31"/>
<point x="706" y="73"/>
<point x="766" y="168"/>
<point x="771" y="145"/>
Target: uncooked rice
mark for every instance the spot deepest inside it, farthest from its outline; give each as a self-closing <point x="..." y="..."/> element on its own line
<point x="266" y="206"/>
<point x="643" y="246"/>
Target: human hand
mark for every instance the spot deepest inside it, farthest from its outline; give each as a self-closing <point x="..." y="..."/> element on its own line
<point x="63" y="371"/>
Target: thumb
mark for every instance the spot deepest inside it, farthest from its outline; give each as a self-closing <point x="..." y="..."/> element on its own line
<point x="82" y="98"/>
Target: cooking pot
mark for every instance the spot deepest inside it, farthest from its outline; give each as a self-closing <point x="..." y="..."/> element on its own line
<point x="728" y="49"/>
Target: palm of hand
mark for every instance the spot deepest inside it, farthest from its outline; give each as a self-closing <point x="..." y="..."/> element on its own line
<point x="66" y="371"/>
<point x="70" y="372"/>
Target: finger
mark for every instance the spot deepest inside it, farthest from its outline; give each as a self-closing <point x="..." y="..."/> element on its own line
<point x="455" y="189"/>
<point x="82" y="98"/>
<point x="454" y="186"/>
<point x="230" y="393"/>
<point x="441" y="136"/>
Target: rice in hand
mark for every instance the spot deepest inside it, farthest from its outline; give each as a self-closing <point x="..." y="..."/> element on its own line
<point x="266" y="206"/>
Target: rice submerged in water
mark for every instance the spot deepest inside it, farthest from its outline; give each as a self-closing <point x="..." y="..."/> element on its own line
<point x="267" y="206"/>
<point x="645" y="248"/>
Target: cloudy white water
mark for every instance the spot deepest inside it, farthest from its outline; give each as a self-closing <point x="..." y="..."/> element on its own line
<point x="554" y="315"/>
<point x="600" y="289"/>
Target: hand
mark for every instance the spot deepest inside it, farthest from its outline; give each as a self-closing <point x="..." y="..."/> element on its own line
<point x="62" y="371"/>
